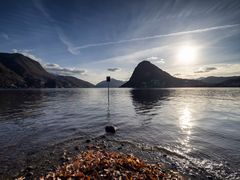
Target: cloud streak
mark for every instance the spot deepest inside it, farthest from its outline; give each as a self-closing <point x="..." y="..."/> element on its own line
<point x="5" y="36"/>
<point x="206" y="70"/>
<point x="62" y="37"/>
<point x="114" y="69"/>
<point x="57" y="69"/>
<point x="157" y="36"/>
<point x="66" y="42"/>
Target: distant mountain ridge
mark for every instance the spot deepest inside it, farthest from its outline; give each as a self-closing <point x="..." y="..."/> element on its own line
<point x="147" y="75"/>
<point x="114" y="83"/>
<point x="19" y="71"/>
<point x="217" y="80"/>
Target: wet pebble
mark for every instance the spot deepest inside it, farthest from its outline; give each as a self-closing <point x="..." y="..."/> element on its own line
<point x="119" y="148"/>
<point x="174" y="166"/>
<point x="29" y="174"/>
<point x="76" y="148"/>
<point x="88" y="141"/>
<point x="29" y="168"/>
<point x="210" y="177"/>
<point x="47" y="161"/>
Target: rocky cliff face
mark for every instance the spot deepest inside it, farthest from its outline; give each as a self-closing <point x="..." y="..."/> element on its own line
<point x="18" y="71"/>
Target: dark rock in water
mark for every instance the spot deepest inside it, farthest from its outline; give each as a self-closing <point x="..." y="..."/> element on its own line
<point x="174" y="166"/>
<point x="119" y="148"/>
<point x="62" y="159"/>
<point x="103" y="136"/>
<point x="110" y="129"/>
<point x="88" y="141"/>
<point x="29" y="168"/>
<point x="209" y="177"/>
<point x="29" y="174"/>
<point x="76" y="148"/>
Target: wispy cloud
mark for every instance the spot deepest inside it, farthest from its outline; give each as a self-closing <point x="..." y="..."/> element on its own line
<point x="155" y="59"/>
<point x="27" y="53"/>
<point x="5" y="36"/>
<point x="66" y="42"/>
<point x="177" y="74"/>
<point x="161" y="61"/>
<point x="114" y="69"/>
<point x="134" y="57"/>
<point x="152" y="58"/>
<point x="57" y="69"/>
<point x="158" y="36"/>
<point x="38" y="4"/>
<point x="62" y="37"/>
<point x="205" y="70"/>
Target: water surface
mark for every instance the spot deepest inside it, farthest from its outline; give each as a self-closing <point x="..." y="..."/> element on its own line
<point x="200" y="125"/>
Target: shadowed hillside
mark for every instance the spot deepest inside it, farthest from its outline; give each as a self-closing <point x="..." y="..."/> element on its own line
<point x="19" y="71"/>
<point x="147" y="75"/>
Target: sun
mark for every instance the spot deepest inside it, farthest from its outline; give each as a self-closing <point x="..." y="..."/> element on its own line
<point x="187" y="54"/>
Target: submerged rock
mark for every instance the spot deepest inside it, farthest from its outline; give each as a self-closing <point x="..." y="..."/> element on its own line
<point x="110" y="129"/>
<point x="88" y="141"/>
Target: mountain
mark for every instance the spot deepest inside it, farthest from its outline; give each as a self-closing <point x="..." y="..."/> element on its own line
<point x="233" y="82"/>
<point x="19" y="71"/>
<point x="147" y="75"/>
<point x="217" y="80"/>
<point x="114" y="83"/>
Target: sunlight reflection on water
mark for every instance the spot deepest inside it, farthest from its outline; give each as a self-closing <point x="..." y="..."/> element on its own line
<point x="185" y="124"/>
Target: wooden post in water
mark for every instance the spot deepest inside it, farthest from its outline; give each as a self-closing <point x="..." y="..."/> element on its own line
<point x="108" y="79"/>
<point x="110" y="128"/>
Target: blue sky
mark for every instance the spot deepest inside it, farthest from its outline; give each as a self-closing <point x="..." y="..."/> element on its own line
<point x="91" y="39"/>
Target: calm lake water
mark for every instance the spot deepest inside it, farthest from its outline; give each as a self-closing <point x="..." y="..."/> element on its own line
<point x="202" y="126"/>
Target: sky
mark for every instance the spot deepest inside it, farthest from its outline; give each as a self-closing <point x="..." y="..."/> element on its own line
<point x="91" y="39"/>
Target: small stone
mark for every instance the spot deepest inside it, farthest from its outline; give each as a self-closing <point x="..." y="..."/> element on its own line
<point x="174" y="166"/>
<point x="119" y="148"/>
<point x="88" y="141"/>
<point x="29" y="168"/>
<point x="110" y="129"/>
<point x="47" y="161"/>
<point x="89" y="146"/>
<point x="165" y="155"/>
<point x="76" y="148"/>
<point x="210" y="177"/>
<point x="29" y="174"/>
<point x="62" y="158"/>
<point x="103" y="136"/>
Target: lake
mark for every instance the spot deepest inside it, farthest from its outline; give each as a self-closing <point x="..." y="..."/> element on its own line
<point x="201" y="126"/>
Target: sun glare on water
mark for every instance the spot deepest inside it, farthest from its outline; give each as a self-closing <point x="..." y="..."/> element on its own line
<point x="187" y="54"/>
